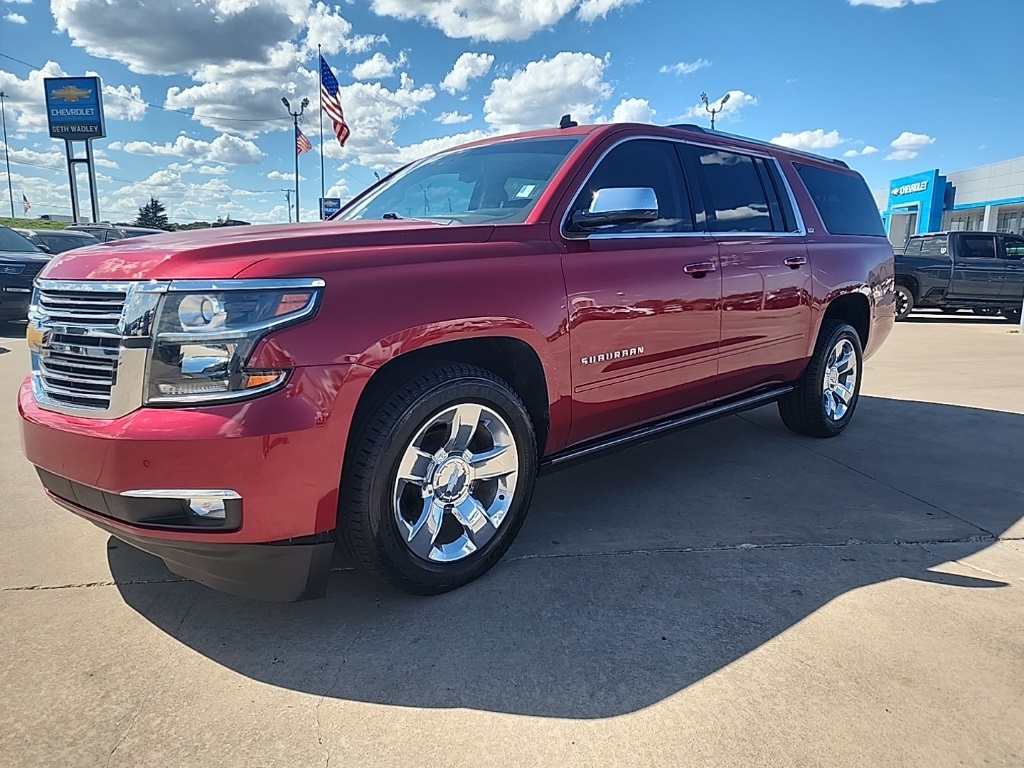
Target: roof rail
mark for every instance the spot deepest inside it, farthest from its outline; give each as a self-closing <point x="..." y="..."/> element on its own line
<point x="760" y="142"/>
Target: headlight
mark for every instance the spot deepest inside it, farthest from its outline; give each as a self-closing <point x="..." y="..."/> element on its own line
<point x="203" y="340"/>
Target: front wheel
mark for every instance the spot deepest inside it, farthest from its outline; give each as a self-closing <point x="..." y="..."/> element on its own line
<point x="904" y="301"/>
<point x="824" y="402"/>
<point x="439" y="481"/>
<point x="1013" y="315"/>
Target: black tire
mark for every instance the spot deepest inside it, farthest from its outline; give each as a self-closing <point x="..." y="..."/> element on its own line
<point x="803" y="411"/>
<point x="904" y="300"/>
<point x="1013" y="315"/>
<point x="985" y="311"/>
<point x="367" y="525"/>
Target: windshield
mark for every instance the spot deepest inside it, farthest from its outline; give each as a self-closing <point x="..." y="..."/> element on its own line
<point x="61" y="243"/>
<point x="490" y="184"/>
<point x="12" y="241"/>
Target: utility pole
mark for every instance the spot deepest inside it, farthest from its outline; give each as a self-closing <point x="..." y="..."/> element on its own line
<point x="7" y="151"/>
<point x="295" y="147"/>
<point x="288" y="197"/>
<point x="711" y="111"/>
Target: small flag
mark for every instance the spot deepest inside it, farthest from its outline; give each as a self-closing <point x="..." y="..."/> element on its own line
<point x="25" y="203"/>
<point x="301" y="142"/>
<point x="330" y="103"/>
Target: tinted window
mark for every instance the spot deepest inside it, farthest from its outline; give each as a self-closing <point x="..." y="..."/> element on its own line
<point x="1014" y="248"/>
<point x="843" y="200"/>
<point x="12" y="241"/>
<point x="61" y="243"/>
<point x="737" y="195"/>
<point x="913" y="247"/>
<point x="642" y="163"/>
<point x="977" y="247"/>
<point x="933" y="246"/>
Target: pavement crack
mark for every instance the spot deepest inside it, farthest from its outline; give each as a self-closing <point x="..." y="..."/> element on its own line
<point x="320" y="733"/>
<point x="89" y="584"/>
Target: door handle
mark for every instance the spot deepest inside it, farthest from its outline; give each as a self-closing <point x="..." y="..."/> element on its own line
<point x="795" y="262"/>
<point x="700" y="268"/>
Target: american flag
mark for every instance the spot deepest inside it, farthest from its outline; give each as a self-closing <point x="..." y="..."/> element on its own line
<point x="25" y="203"/>
<point x="330" y="103"/>
<point x="301" y="142"/>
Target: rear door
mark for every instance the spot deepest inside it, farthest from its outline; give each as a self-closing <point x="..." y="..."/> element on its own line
<point x="977" y="267"/>
<point x="766" y="275"/>
<point x="1013" y="276"/>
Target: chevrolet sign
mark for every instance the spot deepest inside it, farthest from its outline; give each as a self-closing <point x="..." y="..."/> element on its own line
<point x="74" y="108"/>
<point x="909" y="189"/>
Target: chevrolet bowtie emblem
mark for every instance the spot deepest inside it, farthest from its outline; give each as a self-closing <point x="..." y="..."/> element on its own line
<point x="36" y="337"/>
<point x="71" y="93"/>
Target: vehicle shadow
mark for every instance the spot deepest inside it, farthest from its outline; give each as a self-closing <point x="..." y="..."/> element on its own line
<point x="12" y="330"/>
<point x="638" y="574"/>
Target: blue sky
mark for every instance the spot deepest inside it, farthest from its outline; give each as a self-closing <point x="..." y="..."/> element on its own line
<point x="192" y="89"/>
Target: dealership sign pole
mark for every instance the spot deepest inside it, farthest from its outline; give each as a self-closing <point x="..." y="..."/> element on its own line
<point x="74" y="110"/>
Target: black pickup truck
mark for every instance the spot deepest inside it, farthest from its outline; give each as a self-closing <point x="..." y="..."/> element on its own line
<point x="981" y="271"/>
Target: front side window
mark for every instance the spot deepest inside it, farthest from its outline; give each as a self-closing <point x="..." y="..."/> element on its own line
<point x="647" y="164"/>
<point x="738" y="197"/>
<point x="977" y="247"/>
<point x="490" y="184"/>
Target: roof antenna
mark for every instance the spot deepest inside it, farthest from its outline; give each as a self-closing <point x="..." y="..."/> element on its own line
<point x="567" y="122"/>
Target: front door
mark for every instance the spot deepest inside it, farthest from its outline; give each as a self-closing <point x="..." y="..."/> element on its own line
<point x="644" y="299"/>
<point x="977" y="270"/>
<point x="1013" y="276"/>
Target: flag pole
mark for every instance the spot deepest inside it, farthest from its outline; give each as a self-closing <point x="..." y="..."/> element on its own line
<point x="320" y="69"/>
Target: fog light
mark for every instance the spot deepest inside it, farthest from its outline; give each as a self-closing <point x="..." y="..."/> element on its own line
<point x="210" y="508"/>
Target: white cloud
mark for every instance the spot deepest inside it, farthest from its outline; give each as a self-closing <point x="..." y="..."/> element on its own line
<point x="213" y="170"/>
<point x="465" y="68"/>
<point x="867" y="150"/>
<point x="378" y="66"/>
<point x="123" y="103"/>
<point x="16" y="18"/>
<point x="730" y="110"/>
<point x="809" y="140"/>
<point x="685" y="67"/>
<point x="224" y="149"/>
<point x="328" y="28"/>
<point x="592" y="10"/>
<point x="495" y="20"/>
<point x="543" y="91"/>
<point x="278" y="176"/>
<point x="452" y="118"/>
<point x="633" y="111"/>
<point x="907" y="145"/>
<point x="891" y="3"/>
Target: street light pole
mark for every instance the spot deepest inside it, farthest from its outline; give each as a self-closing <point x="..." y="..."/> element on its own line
<point x="288" y="197"/>
<point x="714" y="112"/>
<point x="295" y="147"/>
<point x="7" y="151"/>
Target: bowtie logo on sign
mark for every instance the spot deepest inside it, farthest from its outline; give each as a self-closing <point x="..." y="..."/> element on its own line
<point x="71" y="93"/>
<point x="908" y="189"/>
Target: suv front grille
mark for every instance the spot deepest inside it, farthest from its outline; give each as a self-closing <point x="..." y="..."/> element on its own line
<point x="77" y="362"/>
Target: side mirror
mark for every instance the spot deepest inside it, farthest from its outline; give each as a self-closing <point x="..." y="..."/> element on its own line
<point x="44" y="248"/>
<point x="618" y="205"/>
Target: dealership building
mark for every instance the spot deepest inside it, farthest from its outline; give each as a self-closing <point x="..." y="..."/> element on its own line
<point x="988" y="198"/>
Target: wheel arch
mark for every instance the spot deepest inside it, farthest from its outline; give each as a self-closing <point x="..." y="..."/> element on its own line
<point x="852" y="307"/>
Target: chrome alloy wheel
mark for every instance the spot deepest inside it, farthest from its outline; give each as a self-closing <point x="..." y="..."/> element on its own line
<point x="455" y="484"/>
<point x="902" y="304"/>
<point x="840" y="382"/>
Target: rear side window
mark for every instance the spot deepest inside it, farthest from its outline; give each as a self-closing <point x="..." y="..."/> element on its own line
<point x="913" y="247"/>
<point x="843" y="200"/>
<point x="933" y="246"/>
<point x="737" y="194"/>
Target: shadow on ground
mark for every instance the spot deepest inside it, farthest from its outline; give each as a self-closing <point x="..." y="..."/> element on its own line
<point x="639" y="574"/>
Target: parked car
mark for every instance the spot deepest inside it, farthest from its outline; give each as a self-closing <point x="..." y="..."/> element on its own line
<point x="981" y="271"/>
<point x="20" y="262"/>
<point x="57" y="240"/>
<point x="106" y="232"/>
<point x="237" y="401"/>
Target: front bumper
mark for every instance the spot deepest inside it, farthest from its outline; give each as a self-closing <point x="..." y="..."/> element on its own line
<point x="281" y="454"/>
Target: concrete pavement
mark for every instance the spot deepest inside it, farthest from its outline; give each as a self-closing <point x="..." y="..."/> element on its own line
<point x="732" y="595"/>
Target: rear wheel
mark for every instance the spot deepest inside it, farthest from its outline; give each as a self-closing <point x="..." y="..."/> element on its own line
<point x="904" y="301"/>
<point x="1013" y="315"/>
<point x="985" y="311"/>
<point x="440" y="479"/>
<point x="824" y="402"/>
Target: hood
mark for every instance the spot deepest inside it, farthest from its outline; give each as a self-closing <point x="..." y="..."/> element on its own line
<point x="223" y="252"/>
<point x="24" y="257"/>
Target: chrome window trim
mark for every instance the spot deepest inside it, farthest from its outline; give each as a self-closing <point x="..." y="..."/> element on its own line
<point x="801" y="230"/>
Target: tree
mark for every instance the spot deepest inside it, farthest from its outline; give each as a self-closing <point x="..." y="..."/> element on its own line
<point x="153" y="214"/>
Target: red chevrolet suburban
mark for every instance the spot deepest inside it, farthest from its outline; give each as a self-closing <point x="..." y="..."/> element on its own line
<point x="239" y="401"/>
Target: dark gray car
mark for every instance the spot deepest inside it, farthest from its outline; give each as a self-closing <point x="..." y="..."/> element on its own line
<point x="20" y="262"/>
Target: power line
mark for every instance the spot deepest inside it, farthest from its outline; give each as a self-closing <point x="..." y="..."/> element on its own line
<point x="156" y="106"/>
